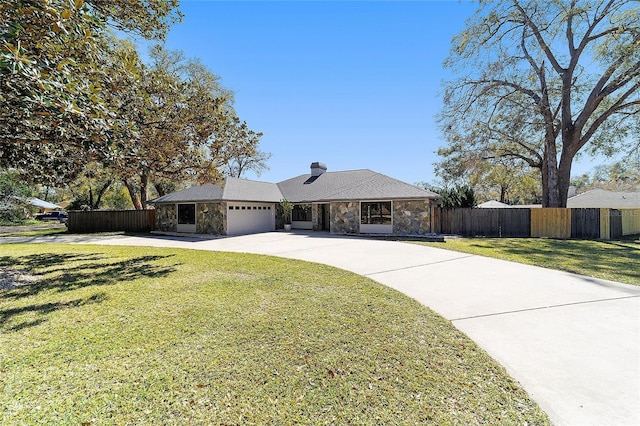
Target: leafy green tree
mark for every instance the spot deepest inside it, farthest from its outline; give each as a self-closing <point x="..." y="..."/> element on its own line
<point x="242" y="153"/>
<point x="507" y="180"/>
<point x="117" y="198"/>
<point x="623" y="175"/>
<point x="53" y="81"/>
<point x="582" y="182"/>
<point x="187" y="128"/>
<point x="456" y="195"/>
<point x="13" y="191"/>
<point x="176" y="107"/>
<point x="91" y="185"/>
<point x="244" y="162"/>
<point x="542" y="81"/>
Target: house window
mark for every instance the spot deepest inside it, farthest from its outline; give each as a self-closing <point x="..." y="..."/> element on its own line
<point x="301" y="213"/>
<point x="186" y="214"/>
<point x="376" y="213"/>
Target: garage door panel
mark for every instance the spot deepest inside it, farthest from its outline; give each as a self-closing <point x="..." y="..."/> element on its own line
<point x="250" y="218"/>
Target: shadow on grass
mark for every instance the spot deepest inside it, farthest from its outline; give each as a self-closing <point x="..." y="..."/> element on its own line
<point x="68" y="272"/>
<point x="43" y="309"/>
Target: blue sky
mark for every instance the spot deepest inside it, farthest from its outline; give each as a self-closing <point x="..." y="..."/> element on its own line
<point x="353" y="84"/>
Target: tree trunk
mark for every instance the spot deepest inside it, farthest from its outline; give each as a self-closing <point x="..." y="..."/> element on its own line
<point x="551" y="166"/>
<point x="144" y="184"/>
<point x="564" y="169"/>
<point x="90" y="197"/>
<point x="101" y="192"/>
<point x="503" y="194"/>
<point x="133" y="194"/>
<point x="556" y="181"/>
<point x="564" y="179"/>
<point x="545" y="180"/>
<point x="159" y="189"/>
<point x="552" y="186"/>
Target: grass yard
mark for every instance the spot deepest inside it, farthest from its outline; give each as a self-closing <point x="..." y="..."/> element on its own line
<point x="31" y="230"/>
<point x="610" y="260"/>
<point x="129" y="335"/>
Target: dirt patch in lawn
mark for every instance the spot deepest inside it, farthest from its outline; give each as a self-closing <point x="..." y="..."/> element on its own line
<point x="11" y="278"/>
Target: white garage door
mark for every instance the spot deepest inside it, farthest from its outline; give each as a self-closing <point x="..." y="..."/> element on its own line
<point x="250" y="218"/>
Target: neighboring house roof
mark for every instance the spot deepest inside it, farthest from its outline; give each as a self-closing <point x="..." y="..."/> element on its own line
<point x="493" y="204"/>
<point x="605" y="199"/>
<point x="527" y="206"/>
<point x="328" y="186"/>
<point x="37" y="202"/>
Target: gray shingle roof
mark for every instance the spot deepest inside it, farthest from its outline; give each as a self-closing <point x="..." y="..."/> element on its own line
<point x="605" y="199"/>
<point x="250" y="190"/>
<point x="329" y="186"/>
<point x="349" y="185"/>
<point x="234" y="190"/>
<point x="206" y="192"/>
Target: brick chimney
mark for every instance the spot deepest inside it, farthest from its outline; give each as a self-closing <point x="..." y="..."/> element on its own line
<point x="318" y="168"/>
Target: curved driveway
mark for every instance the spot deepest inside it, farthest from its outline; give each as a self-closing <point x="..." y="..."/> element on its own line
<point x="573" y="342"/>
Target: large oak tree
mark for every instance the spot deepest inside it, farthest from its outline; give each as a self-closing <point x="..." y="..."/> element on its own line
<point x="543" y="81"/>
<point x="187" y="129"/>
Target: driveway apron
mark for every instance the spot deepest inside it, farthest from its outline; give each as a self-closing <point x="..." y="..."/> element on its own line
<point x="573" y="342"/>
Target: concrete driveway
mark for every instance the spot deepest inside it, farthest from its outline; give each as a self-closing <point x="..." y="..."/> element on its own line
<point x="573" y="342"/>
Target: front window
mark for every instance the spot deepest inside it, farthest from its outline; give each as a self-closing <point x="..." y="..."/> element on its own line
<point x="301" y="213"/>
<point x="376" y="213"/>
<point x="186" y="214"/>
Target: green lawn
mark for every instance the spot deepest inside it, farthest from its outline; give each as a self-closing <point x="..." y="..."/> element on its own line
<point x="19" y="231"/>
<point x="129" y="335"/>
<point x="610" y="260"/>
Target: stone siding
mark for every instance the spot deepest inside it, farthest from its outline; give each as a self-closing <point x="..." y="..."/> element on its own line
<point x="412" y="217"/>
<point x="345" y="217"/>
<point x="211" y="218"/>
<point x="166" y="217"/>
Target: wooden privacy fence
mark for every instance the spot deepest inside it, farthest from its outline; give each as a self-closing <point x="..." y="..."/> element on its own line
<point x="513" y="222"/>
<point x="552" y="223"/>
<point x="485" y="222"/>
<point x="591" y="223"/>
<point x="111" y="220"/>
<point x="630" y="219"/>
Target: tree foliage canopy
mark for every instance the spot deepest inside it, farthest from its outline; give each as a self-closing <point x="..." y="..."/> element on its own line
<point x="542" y="81"/>
<point x="453" y="196"/>
<point x="187" y="129"/>
<point x="75" y="100"/>
<point x="13" y="192"/>
<point x="622" y="175"/>
<point x="53" y="79"/>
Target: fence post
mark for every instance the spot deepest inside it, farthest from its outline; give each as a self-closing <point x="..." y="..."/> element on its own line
<point x="605" y="224"/>
<point x="436" y="219"/>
